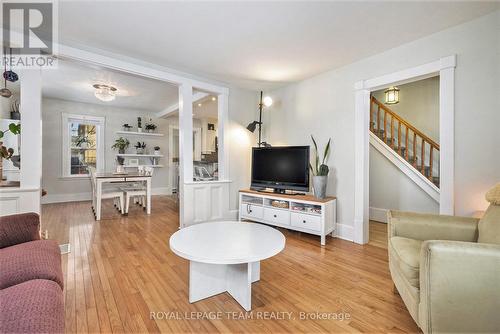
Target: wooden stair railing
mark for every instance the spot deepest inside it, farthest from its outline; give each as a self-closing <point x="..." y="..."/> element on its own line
<point x="376" y="108"/>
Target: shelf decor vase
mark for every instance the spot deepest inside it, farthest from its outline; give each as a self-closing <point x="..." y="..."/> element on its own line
<point x="319" y="186"/>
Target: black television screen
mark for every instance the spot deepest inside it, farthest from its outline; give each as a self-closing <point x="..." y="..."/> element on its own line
<point x="285" y="167"/>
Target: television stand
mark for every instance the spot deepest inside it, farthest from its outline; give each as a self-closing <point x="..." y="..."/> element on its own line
<point x="303" y="213"/>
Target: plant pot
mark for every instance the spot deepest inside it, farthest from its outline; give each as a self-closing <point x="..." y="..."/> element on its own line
<point x="15" y="115"/>
<point x="319" y="186"/>
<point x="121" y="151"/>
<point x="150" y="131"/>
<point x="139" y="150"/>
<point x="157" y="153"/>
<point x="139" y="129"/>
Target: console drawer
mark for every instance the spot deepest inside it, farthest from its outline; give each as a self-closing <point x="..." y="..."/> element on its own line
<point x="305" y="221"/>
<point x="251" y="211"/>
<point x="276" y="216"/>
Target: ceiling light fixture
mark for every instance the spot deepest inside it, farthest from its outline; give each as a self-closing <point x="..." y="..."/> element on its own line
<point x="392" y="95"/>
<point x="104" y="92"/>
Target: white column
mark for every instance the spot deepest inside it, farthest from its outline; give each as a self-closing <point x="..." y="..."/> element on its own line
<point x="447" y="135"/>
<point x="185" y="144"/>
<point x="361" y="171"/>
<point x="31" y="128"/>
<point x="223" y="155"/>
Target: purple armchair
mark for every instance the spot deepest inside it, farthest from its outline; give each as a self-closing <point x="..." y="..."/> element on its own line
<point x="31" y="279"/>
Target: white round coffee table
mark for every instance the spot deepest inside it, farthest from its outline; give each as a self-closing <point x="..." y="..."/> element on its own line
<point x="225" y="256"/>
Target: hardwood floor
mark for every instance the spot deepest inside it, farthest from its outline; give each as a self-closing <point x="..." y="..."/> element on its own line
<point x="378" y="234"/>
<point x="121" y="268"/>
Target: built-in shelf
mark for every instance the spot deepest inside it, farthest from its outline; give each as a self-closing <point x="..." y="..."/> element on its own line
<point x="134" y="133"/>
<point x="83" y="148"/>
<point x="154" y="166"/>
<point x="140" y="155"/>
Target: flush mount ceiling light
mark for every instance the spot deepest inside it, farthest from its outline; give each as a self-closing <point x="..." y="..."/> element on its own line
<point x="392" y="95"/>
<point x="104" y="92"/>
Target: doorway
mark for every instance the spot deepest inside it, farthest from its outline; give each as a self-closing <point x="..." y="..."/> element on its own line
<point x="445" y="68"/>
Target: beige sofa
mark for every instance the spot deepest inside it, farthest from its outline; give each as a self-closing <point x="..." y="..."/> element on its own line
<point x="447" y="268"/>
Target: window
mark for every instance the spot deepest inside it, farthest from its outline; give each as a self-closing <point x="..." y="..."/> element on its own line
<point x="83" y="144"/>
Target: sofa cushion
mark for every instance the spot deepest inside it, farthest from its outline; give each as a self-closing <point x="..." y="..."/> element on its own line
<point x="489" y="226"/>
<point x="407" y="256"/>
<point x="30" y="260"/>
<point x="16" y="229"/>
<point x="35" y="306"/>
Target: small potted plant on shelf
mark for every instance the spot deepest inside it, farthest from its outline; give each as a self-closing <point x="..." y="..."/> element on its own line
<point x="150" y="127"/>
<point x="140" y="147"/>
<point x="126" y="127"/>
<point x="157" y="150"/>
<point x="121" y="144"/>
<point x="139" y="124"/>
<point x="320" y="171"/>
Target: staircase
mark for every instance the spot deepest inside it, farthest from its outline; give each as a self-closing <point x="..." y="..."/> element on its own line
<point x="407" y="141"/>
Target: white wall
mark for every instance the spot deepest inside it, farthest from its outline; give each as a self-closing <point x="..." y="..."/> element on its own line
<point x="390" y="189"/>
<point x="242" y="106"/>
<point x="67" y="189"/>
<point x="418" y="104"/>
<point x="324" y="106"/>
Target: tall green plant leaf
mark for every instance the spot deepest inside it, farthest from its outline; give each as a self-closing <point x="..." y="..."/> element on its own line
<point x="327" y="151"/>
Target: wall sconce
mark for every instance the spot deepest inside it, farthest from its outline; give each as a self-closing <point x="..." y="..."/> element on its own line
<point x="392" y="95"/>
<point x="264" y="102"/>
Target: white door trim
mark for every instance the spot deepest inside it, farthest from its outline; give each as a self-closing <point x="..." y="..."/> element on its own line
<point x="445" y="68"/>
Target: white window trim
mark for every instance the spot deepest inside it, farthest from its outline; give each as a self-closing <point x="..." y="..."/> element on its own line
<point x="66" y="147"/>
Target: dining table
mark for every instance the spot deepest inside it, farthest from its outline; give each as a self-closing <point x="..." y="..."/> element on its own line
<point x="128" y="177"/>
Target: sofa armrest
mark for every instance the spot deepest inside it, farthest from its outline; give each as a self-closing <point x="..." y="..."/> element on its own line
<point x="459" y="287"/>
<point x="423" y="226"/>
<point x="16" y="229"/>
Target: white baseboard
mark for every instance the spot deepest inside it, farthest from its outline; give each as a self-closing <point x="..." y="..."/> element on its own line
<point x="233" y="214"/>
<point x="63" y="198"/>
<point x="79" y="197"/>
<point x="345" y="232"/>
<point x="378" y="215"/>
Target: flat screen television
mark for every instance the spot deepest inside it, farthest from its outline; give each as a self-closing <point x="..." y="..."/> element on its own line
<point x="281" y="168"/>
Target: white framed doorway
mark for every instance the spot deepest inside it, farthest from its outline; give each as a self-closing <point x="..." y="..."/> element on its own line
<point x="445" y="68"/>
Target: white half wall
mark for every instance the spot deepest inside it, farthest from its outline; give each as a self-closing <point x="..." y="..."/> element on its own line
<point x="324" y="106"/>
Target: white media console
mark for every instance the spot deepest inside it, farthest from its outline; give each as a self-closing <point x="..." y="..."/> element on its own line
<point x="303" y="213"/>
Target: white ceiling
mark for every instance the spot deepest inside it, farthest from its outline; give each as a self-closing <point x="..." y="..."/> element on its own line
<point x="256" y="44"/>
<point x="73" y="81"/>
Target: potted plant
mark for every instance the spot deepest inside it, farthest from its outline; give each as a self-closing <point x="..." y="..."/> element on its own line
<point x="320" y="170"/>
<point x="7" y="152"/>
<point x="126" y="127"/>
<point x="157" y="150"/>
<point x="150" y="127"/>
<point x="121" y="144"/>
<point x="140" y="147"/>
<point x="139" y="124"/>
<point x="14" y="112"/>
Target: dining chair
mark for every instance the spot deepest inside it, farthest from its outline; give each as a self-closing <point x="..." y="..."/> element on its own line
<point x="106" y="193"/>
<point x="137" y="191"/>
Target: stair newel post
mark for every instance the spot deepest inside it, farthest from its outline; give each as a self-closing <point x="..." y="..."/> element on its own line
<point x="430" y="164"/>
<point x="399" y="137"/>
<point x="392" y="132"/>
<point x="406" y="144"/>
<point x="414" y="149"/>
<point x="422" y="156"/>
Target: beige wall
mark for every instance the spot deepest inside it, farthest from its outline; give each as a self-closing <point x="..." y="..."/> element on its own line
<point x="418" y="104"/>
